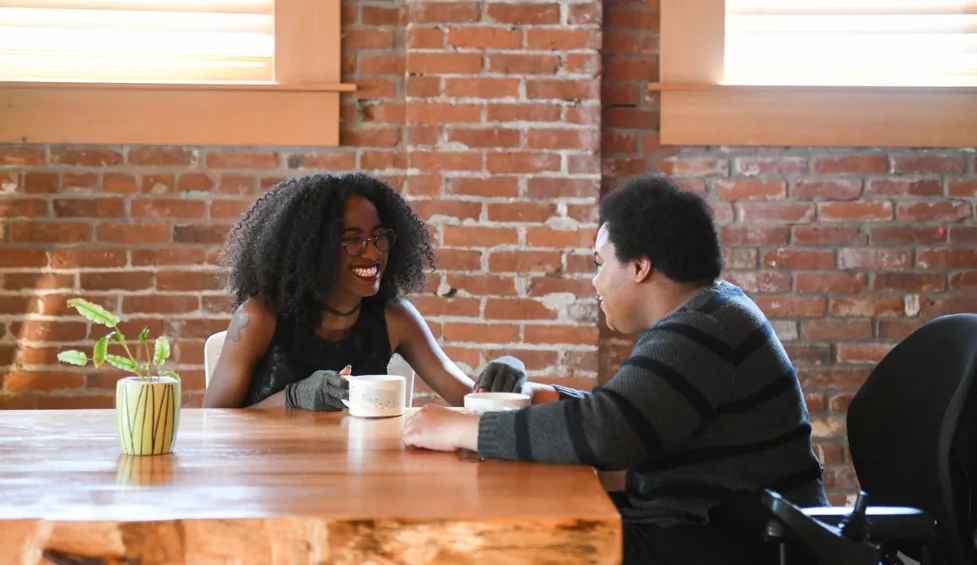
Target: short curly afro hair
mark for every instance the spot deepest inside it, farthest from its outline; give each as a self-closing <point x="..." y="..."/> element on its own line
<point x="650" y="216"/>
<point x="285" y="248"/>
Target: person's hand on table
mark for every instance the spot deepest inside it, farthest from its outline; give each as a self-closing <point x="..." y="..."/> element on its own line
<point x="505" y="374"/>
<point x="322" y="391"/>
<point x="442" y="429"/>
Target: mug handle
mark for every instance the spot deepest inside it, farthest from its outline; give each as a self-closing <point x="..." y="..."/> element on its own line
<point x="344" y="401"/>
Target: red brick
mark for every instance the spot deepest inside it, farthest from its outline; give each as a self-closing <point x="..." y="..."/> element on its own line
<point x="482" y="87"/>
<point x="562" y="187"/>
<point x="582" y="335"/>
<point x="132" y="233"/>
<point x="444" y="63"/>
<point x="380" y="15"/>
<point x="119" y="183"/>
<point x="523" y="112"/>
<point x="484" y="38"/>
<point x="523" y="64"/>
<point x="791" y="258"/>
<point x="485" y="137"/>
<point x="229" y="209"/>
<point x="18" y="381"/>
<point x="480" y="333"/>
<point x="458" y="259"/>
<point x="425" y="38"/>
<point x="543" y="39"/>
<point x="520" y="212"/>
<point x="462" y="210"/>
<point x="692" y="166"/>
<point x="79" y="182"/>
<point x="855" y="211"/>
<point x="162" y="157"/>
<point x="830" y="330"/>
<point x="328" y="160"/>
<point x="792" y="306"/>
<point x="442" y="113"/>
<point x="483" y="285"/>
<point x="867" y="306"/>
<point x="50" y="331"/>
<point x="153" y="304"/>
<point x="117" y="280"/>
<point x="373" y="88"/>
<point x="960" y="235"/>
<point x="941" y="305"/>
<point x="908" y="282"/>
<point x="752" y="235"/>
<point x="76" y="402"/>
<point x="37" y="281"/>
<point x="88" y="257"/>
<point x="760" y="281"/>
<point x="620" y="94"/>
<point x="21" y="155"/>
<point x="842" y="283"/>
<point x="627" y="167"/>
<point x="517" y="309"/>
<point x="966" y="280"/>
<point x="81" y="157"/>
<point x="18" y="305"/>
<point x="740" y="258"/>
<point x="168" y="208"/>
<point x="839" y="403"/>
<point x="535" y="360"/>
<point x="541" y="286"/>
<point x="491" y="186"/>
<point x="934" y="211"/>
<point x="903" y="187"/>
<point x="849" y="165"/>
<point x="524" y="14"/>
<point x="563" y="89"/>
<point x="807" y="354"/>
<point x="475" y="236"/>
<point x="169" y="256"/>
<point x="861" y="353"/>
<point x="825" y="235"/>
<point x="12" y="207"/>
<point x="381" y="64"/>
<point x="200" y="233"/>
<point x="923" y="164"/>
<point x="630" y="16"/>
<point x="832" y="378"/>
<point x="881" y="259"/>
<point x="444" y="12"/>
<point x="777" y="212"/>
<point x="48" y="232"/>
<point x="549" y="237"/>
<point x="899" y="329"/>
<point x="162" y="183"/>
<point x="431" y="306"/>
<point x="583" y="63"/>
<point x="946" y="258"/>
<point x="380" y="160"/>
<point x="585" y="213"/>
<point x="583" y="164"/>
<point x="515" y="162"/>
<point x="779" y="166"/>
<point x="41" y="183"/>
<point x="907" y="235"/>
<point x="195" y="182"/>
<point x="962" y="188"/>
<point x="368" y="38"/>
<point x="388" y="112"/>
<point x="216" y="304"/>
<point x="828" y="189"/>
<point x="580" y="140"/>
<point x="423" y="87"/>
<point x="581" y="14"/>
<point x="12" y="257"/>
<point x="619" y="142"/>
<point x="751" y="189"/>
<point x="525" y="261"/>
<point x="583" y="115"/>
<point x="242" y="160"/>
<point x="188" y="281"/>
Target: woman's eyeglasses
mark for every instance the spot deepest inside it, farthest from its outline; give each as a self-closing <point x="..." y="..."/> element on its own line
<point x="356" y="246"/>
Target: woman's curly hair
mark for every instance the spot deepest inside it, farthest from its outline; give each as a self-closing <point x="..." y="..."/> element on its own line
<point x="285" y="248"/>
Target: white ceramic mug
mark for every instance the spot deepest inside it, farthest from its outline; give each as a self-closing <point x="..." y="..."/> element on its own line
<point x="376" y="396"/>
<point x="479" y="402"/>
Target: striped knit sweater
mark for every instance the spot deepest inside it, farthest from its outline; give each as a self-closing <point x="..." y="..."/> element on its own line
<point x="707" y="404"/>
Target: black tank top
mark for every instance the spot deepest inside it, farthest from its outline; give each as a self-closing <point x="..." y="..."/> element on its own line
<point x="296" y="353"/>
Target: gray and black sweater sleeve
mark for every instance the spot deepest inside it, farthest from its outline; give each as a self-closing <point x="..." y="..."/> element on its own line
<point x="672" y="382"/>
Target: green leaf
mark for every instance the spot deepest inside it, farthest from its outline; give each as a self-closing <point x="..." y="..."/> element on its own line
<point x="73" y="357"/>
<point x="123" y="363"/>
<point x="116" y="337"/>
<point x="94" y="312"/>
<point x="144" y="335"/>
<point x="162" y="350"/>
<point x="169" y="373"/>
<point x="98" y="356"/>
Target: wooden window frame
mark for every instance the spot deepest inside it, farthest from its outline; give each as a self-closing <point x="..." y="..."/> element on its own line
<point x="299" y="108"/>
<point x="697" y="109"/>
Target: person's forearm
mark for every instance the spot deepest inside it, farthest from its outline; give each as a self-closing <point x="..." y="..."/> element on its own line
<point x="276" y="400"/>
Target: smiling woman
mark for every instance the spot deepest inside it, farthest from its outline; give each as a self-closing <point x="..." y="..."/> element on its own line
<point x="319" y="268"/>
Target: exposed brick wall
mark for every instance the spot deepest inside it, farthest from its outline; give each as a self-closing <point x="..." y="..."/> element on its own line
<point x="846" y="250"/>
<point x="487" y="116"/>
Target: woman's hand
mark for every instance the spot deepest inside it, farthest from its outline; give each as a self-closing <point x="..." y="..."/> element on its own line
<point x="322" y="391"/>
<point x="442" y="429"/>
<point x="505" y="374"/>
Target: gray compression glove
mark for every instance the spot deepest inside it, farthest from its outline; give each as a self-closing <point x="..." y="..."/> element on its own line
<point x="322" y="391"/>
<point x="505" y="374"/>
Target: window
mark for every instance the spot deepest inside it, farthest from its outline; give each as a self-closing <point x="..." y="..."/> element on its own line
<point x="181" y="72"/>
<point x="819" y="72"/>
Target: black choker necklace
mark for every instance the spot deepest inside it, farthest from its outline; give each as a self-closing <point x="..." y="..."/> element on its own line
<point x="342" y="314"/>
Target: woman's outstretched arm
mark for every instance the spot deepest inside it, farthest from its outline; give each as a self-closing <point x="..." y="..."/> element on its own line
<point x="248" y="337"/>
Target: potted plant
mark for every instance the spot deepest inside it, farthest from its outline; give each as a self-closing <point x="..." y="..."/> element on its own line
<point x="147" y="404"/>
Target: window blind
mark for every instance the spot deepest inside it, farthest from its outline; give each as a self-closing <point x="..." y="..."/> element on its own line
<point x="851" y="42"/>
<point x="179" y="41"/>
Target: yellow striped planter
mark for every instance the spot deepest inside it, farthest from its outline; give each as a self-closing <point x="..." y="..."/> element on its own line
<point x="148" y="414"/>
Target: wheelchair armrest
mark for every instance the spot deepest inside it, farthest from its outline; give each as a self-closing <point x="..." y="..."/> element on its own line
<point x="823" y="540"/>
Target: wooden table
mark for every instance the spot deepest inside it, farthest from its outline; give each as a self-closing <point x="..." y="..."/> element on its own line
<point x="283" y="487"/>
